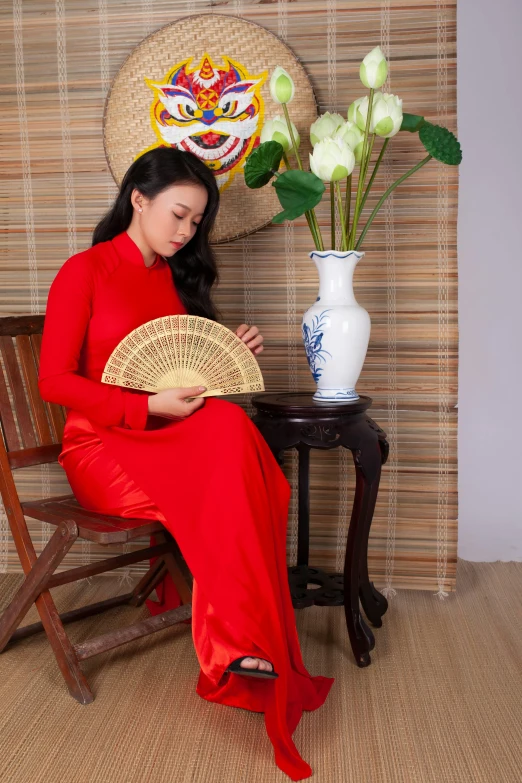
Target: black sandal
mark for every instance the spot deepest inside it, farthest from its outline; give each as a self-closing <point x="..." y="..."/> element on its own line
<point x="236" y="668"/>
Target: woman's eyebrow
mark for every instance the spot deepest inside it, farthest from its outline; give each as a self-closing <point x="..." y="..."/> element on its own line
<point x="179" y="204"/>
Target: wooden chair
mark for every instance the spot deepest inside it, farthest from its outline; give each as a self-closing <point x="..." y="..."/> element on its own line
<point x="32" y="430"/>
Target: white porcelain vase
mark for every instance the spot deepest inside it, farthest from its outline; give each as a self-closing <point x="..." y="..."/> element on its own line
<point x="336" y="329"/>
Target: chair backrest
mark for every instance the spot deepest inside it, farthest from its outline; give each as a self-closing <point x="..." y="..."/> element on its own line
<point x="32" y="429"/>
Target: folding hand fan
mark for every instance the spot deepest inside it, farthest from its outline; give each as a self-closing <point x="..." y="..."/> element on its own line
<point x="184" y="350"/>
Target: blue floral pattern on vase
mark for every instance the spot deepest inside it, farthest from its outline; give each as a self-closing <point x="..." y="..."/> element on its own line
<point x="312" y="339"/>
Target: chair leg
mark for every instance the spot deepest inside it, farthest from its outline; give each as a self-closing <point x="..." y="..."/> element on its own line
<point x="182" y="587"/>
<point x="31" y="590"/>
<point x="63" y="649"/>
<point x="147" y="583"/>
<point x="35" y="581"/>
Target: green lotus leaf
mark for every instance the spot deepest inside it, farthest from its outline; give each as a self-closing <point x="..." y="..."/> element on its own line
<point x="297" y="191"/>
<point x="441" y="143"/>
<point x="262" y="163"/>
<point x="411" y="122"/>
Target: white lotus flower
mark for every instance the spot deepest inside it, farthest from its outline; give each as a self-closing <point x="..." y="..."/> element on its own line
<point x="324" y="126"/>
<point x="282" y="87"/>
<point x="277" y="130"/>
<point x="332" y="160"/>
<point x="354" y="108"/>
<point x="360" y="113"/>
<point x="374" y="69"/>
<point x="353" y="136"/>
<point x="387" y="115"/>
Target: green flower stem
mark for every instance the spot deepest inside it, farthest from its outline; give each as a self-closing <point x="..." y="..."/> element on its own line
<point x="365" y="172"/>
<point x="367" y="164"/>
<point x="317" y="235"/>
<point x="344" y="242"/>
<point x="320" y="245"/>
<point x="311" y="226"/>
<point x="385" y="196"/>
<point x="332" y="214"/>
<point x="317" y="239"/>
<point x="361" y="171"/>
<point x="348" y="200"/>
<point x="291" y="133"/>
<point x="307" y="214"/>
<point x="377" y="164"/>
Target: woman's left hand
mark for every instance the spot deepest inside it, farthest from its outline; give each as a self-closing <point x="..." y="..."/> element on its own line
<point x="250" y="336"/>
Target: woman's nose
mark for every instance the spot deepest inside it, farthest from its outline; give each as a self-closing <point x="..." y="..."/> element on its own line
<point x="185" y="229"/>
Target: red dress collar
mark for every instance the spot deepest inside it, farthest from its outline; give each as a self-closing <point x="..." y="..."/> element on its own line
<point x="129" y="251"/>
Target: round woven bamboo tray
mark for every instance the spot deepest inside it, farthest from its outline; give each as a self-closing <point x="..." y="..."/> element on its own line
<point x="192" y="51"/>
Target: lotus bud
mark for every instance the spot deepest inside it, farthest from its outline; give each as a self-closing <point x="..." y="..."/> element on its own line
<point x="353" y="136"/>
<point x="281" y="86"/>
<point x="387" y="115"/>
<point x="374" y="69"/>
<point x="361" y="112"/>
<point x="332" y="160"/>
<point x="324" y="126"/>
<point x="352" y="109"/>
<point x="277" y="130"/>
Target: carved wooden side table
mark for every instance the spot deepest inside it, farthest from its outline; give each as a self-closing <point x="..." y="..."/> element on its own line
<point x="295" y="420"/>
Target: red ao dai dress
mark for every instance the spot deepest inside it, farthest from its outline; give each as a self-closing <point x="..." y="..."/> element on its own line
<point x="211" y="479"/>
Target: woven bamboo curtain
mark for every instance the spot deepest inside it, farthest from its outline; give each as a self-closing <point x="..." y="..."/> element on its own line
<point x="57" y="61"/>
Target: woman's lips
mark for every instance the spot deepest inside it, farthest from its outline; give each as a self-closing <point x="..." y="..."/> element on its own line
<point x="177" y="244"/>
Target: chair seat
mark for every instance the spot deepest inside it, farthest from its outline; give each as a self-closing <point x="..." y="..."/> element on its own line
<point x="101" y="528"/>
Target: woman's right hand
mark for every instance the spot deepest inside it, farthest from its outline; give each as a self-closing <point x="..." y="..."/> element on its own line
<point x="172" y="403"/>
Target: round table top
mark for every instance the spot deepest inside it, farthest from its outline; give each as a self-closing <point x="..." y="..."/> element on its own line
<point x="295" y="403"/>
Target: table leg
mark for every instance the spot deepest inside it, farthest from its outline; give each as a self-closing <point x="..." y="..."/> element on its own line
<point x="303" y="531"/>
<point x="361" y="637"/>
<point x="373" y="602"/>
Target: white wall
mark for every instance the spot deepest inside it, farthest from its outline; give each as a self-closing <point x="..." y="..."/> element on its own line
<point x="489" y="69"/>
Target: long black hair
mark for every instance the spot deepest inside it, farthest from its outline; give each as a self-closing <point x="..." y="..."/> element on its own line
<point x="194" y="268"/>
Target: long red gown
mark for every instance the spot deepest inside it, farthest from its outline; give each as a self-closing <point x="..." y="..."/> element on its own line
<point x="210" y="478"/>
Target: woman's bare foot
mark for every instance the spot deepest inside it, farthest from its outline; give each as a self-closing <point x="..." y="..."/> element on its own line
<point x="256" y="663"/>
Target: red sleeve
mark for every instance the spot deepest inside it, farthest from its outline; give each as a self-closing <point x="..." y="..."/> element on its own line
<point x="66" y="319"/>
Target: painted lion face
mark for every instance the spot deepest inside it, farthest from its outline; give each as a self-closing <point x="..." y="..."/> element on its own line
<point x="212" y="112"/>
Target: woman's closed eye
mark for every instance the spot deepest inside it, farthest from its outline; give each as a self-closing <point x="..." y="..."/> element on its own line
<point x="180" y="217"/>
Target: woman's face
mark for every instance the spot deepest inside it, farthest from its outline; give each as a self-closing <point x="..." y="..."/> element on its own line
<point x="171" y="219"/>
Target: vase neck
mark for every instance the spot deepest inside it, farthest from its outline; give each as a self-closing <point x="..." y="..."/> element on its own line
<point x="336" y="276"/>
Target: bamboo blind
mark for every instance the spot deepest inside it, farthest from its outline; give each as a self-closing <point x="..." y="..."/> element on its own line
<point x="57" y="60"/>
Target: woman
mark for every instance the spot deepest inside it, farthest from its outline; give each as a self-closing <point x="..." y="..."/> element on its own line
<point x="201" y="467"/>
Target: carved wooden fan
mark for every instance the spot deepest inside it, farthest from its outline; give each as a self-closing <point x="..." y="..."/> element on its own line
<point x="184" y="350"/>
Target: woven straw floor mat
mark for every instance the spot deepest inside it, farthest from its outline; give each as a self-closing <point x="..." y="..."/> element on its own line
<point x="440" y="702"/>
